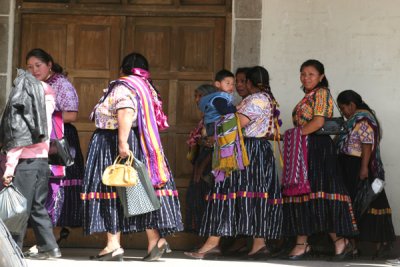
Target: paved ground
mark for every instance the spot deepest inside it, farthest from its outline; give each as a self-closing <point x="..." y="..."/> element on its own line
<point x="79" y="257"/>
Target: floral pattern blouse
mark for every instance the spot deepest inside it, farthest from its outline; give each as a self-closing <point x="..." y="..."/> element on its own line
<point x="259" y="109"/>
<point x="362" y="133"/>
<point x="106" y="112"/>
<point x="66" y="96"/>
<point x="317" y="102"/>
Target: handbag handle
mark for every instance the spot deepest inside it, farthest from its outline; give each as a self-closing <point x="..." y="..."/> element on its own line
<point x="333" y="99"/>
<point x="128" y="162"/>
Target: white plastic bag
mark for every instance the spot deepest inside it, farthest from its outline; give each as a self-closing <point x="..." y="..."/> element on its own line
<point x="13" y="207"/>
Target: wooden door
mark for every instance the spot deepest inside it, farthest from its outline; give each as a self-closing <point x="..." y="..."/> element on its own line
<point x="183" y="53"/>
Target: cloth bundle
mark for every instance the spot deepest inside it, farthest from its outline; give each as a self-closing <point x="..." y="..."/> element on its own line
<point x="295" y="167"/>
<point x="229" y="151"/>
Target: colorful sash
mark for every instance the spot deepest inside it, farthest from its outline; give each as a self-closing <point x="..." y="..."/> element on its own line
<point x="295" y="167"/>
<point x="229" y="151"/>
<point x="148" y="128"/>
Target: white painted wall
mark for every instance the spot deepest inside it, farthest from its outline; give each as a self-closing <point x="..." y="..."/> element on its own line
<point x="358" y="41"/>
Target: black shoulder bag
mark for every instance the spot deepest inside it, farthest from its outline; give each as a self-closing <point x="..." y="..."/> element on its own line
<point x="335" y="125"/>
<point x="59" y="152"/>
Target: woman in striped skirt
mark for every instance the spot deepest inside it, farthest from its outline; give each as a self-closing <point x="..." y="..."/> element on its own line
<point x="327" y="208"/>
<point x="126" y="117"/>
<point x="248" y="202"/>
<point x="359" y="157"/>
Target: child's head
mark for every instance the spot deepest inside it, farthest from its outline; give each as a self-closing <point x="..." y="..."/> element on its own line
<point x="203" y="90"/>
<point x="225" y="81"/>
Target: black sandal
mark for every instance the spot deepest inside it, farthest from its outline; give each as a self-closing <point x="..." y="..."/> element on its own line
<point x="109" y="256"/>
<point x="306" y="254"/>
<point x="347" y="252"/>
<point x="157" y="252"/>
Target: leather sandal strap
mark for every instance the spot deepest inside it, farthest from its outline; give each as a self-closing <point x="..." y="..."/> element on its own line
<point x="339" y="238"/>
<point x="302" y="244"/>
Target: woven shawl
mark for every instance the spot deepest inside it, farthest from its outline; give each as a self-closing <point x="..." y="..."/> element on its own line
<point x="375" y="162"/>
<point x="229" y="150"/>
<point x="295" y="166"/>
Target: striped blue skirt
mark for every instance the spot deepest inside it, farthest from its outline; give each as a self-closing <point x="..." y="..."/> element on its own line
<point x="102" y="210"/>
<point x="327" y="208"/>
<point x="248" y="202"/>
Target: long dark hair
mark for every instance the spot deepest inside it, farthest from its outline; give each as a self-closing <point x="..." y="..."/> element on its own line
<point x="243" y="70"/>
<point x="45" y="57"/>
<point x="259" y="77"/>
<point x="348" y="96"/>
<point x="133" y="60"/>
<point x="320" y="68"/>
<point x="136" y="60"/>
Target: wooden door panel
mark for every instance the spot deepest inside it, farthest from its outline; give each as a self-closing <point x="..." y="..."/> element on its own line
<point x="187" y="111"/>
<point x="153" y="41"/>
<point x="151" y="2"/>
<point x="98" y="39"/>
<point x="202" y="2"/>
<point x="50" y="37"/>
<point x="196" y="49"/>
<point x="183" y="166"/>
<point x="90" y="91"/>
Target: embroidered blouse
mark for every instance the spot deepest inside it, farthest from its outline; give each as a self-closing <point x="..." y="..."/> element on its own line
<point x="106" y="113"/>
<point x="362" y="133"/>
<point x="259" y="109"/>
<point x="317" y="102"/>
<point x="66" y="96"/>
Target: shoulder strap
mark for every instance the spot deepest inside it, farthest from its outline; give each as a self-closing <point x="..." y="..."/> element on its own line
<point x="333" y="99"/>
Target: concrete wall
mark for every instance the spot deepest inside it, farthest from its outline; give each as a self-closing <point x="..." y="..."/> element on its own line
<point x="359" y="43"/>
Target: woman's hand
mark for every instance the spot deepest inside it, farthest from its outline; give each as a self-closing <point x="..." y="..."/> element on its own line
<point x="363" y="173"/>
<point x="123" y="149"/>
<point x="7" y="180"/>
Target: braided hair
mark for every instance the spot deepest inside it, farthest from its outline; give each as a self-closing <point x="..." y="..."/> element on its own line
<point x="259" y="78"/>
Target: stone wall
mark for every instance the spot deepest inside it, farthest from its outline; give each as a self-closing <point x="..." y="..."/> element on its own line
<point x="5" y="49"/>
<point x="246" y="33"/>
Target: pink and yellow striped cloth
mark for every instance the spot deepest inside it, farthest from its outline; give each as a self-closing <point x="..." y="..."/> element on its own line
<point x="148" y="128"/>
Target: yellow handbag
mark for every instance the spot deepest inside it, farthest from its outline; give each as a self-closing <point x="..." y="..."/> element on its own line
<point x="123" y="175"/>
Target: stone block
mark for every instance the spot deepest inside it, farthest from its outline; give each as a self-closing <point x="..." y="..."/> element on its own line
<point x="3" y="43"/>
<point x="3" y="92"/>
<point x="4" y="7"/>
<point x="246" y="50"/>
<point x="248" y="9"/>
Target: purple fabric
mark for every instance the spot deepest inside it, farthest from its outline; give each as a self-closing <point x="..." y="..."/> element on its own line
<point x="295" y="167"/>
<point x="66" y="96"/>
<point x="227" y="151"/>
